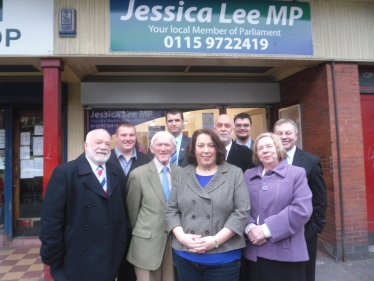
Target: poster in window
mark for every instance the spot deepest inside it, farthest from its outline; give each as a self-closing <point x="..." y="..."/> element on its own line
<point x="25" y="138"/>
<point x="24" y="152"/>
<point x="38" y="167"/>
<point x="27" y="169"/>
<point x="37" y="146"/>
<point x="38" y="130"/>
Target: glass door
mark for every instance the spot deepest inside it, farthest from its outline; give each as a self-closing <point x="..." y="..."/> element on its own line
<point x="27" y="172"/>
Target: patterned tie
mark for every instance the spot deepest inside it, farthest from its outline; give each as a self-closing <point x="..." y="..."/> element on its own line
<point x="173" y="157"/>
<point x="165" y="183"/>
<point x="102" y="178"/>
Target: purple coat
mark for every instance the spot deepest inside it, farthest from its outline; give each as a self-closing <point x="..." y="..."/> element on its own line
<point x="282" y="199"/>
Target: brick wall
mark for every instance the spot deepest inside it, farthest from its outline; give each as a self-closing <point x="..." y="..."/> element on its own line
<point x="313" y="87"/>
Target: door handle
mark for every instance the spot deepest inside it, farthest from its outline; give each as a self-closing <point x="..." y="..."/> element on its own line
<point x="16" y="170"/>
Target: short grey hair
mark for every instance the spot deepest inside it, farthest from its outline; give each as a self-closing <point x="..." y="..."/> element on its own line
<point x="164" y="134"/>
<point x="286" y="120"/>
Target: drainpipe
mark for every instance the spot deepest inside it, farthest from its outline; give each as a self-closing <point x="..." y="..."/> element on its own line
<point x="339" y="160"/>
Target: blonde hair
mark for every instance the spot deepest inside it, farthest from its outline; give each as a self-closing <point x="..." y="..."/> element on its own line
<point x="281" y="152"/>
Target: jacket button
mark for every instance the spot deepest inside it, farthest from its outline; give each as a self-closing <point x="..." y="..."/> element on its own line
<point x="86" y="227"/>
<point x="165" y="232"/>
<point x="193" y="202"/>
<point x="88" y="205"/>
<point x="85" y="249"/>
<point x="208" y="217"/>
<point x="118" y="201"/>
<point x="193" y="217"/>
<point x="264" y="188"/>
<point x="207" y="232"/>
<point x="192" y="232"/>
<point x="262" y="209"/>
<point x="122" y="220"/>
<point x="124" y="241"/>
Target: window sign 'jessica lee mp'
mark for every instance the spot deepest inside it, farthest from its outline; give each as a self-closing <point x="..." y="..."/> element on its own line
<point x="210" y="26"/>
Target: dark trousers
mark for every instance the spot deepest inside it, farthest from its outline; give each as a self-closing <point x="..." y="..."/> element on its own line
<point x="190" y="271"/>
<point x="310" y="265"/>
<point x="126" y="271"/>
<point x="271" y="270"/>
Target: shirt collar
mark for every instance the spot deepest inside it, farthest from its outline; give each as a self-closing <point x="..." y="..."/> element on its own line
<point x="228" y="147"/>
<point x="160" y="166"/>
<point x="178" y="139"/>
<point x="118" y="154"/>
<point x="248" y="143"/>
<point x="93" y="165"/>
<point x="291" y="152"/>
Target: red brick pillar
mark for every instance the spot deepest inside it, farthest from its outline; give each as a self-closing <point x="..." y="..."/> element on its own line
<point x="52" y="123"/>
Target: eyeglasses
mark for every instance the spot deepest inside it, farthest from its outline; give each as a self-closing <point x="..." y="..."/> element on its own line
<point x="242" y="125"/>
<point x="220" y="125"/>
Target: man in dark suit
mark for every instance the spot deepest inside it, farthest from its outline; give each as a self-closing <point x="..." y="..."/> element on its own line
<point x="287" y="131"/>
<point x="174" y="122"/>
<point x="84" y="219"/>
<point x="126" y="157"/>
<point x="238" y="155"/>
<point x="243" y="128"/>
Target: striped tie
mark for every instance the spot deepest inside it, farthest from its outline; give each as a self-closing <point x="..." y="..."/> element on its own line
<point x="102" y="178"/>
<point x="173" y="157"/>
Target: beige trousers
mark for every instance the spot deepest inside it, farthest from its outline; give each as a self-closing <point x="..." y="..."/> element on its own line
<point x="164" y="273"/>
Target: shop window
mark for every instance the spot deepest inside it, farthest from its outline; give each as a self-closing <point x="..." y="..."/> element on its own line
<point x="148" y="122"/>
<point x="293" y="113"/>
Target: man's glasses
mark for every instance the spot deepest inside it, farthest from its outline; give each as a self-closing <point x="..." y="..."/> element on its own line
<point x="242" y="125"/>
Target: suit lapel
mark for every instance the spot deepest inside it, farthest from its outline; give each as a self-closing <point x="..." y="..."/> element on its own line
<point x="182" y="150"/>
<point x="233" y="153"/>
<point x="112" y="178"/>
<point x="298" y="157"/>
<point x="217" y="180"/>
<point x="155" y="182"/>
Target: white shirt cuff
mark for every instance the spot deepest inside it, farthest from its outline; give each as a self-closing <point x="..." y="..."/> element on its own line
<point x="248" y="227"/>
<point x="266" y="230"/>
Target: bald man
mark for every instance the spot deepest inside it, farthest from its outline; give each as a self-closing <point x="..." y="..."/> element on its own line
<point x="83" y="220"/>
<point x="238" y="155"/>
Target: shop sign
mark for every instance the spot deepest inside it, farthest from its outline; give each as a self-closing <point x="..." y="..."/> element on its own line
<point x="26" y="27"/>
<point x="109" y="119"/>
<point x="210" y="26"/>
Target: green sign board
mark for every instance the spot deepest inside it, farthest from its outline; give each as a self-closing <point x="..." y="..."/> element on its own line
<point x="194" y="26"/>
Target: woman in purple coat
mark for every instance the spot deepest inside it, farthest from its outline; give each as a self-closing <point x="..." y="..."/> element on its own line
<point x="281" y="203"/>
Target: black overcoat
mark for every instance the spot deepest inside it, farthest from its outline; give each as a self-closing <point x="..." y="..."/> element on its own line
<point x="83" y="230"/>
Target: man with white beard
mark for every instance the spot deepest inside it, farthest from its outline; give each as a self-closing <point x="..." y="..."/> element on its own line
<point x="84" y="217"/>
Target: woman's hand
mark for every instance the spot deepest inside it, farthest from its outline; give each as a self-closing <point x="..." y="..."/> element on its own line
<point x="256" y="235"/>
<point x="190" y="240"/>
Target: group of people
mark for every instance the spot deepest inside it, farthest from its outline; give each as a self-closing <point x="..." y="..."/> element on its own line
<point x="201" y="208"/>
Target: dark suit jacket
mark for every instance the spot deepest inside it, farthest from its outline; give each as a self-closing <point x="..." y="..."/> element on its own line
<point x="142" y="159"/>
<point x="311" y="164"/>
<point x="83" y="230"/>
<point x="240" y="156"/>
<point x="182" y="156"/>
